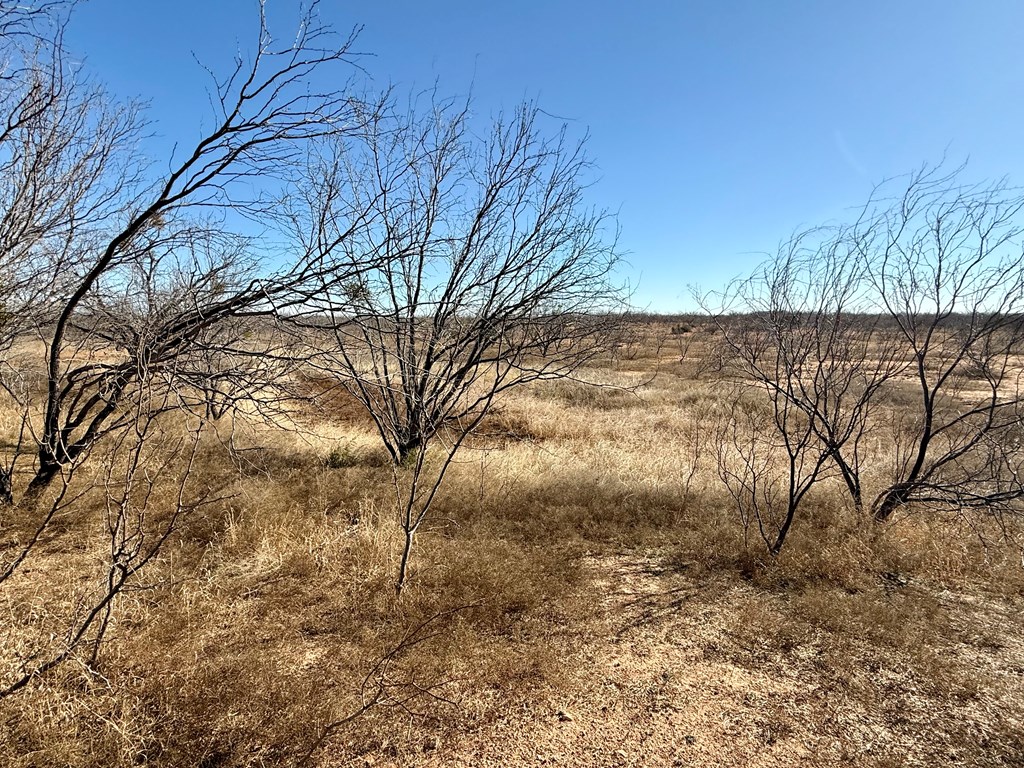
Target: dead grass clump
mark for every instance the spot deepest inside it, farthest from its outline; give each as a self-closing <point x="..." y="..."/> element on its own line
<point x="346" y="455"/>
<point x="571" y="511"/>
<point x="255" y="639"/>
<point x="75" y="719"/>
<point x="958" y="550"/>
<point x="581" y="394"/>
<point x="888" y="658"/>
<point x="901" y="395"/>
<point x="697" y="399"/>
<point x="504" y="425"/>
<point x="332" y="401"/>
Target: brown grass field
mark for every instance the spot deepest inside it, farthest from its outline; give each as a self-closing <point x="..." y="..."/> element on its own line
<point x="582" y="595"/>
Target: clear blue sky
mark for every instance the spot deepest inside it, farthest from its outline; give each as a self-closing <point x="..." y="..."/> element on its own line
<point x="718" y="126"/>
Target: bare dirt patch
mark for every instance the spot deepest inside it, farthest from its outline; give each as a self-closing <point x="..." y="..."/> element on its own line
<point x="683" y="674"/>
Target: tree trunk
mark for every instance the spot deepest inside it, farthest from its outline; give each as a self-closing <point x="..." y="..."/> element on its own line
<point x="852" y="480"/>
<point x="403" y="566"/>
<point x="406" y="449"/>
<point x="48" y="469"/>
<point x="6" y="488"/>
<point x="780" y="539"/>
<point x="890" y="500"/>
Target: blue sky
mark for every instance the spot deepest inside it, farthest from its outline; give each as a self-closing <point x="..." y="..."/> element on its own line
<point x="717" y="126"/>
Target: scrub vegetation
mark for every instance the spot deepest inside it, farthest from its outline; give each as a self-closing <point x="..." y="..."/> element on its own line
<point x="334" y="442"/>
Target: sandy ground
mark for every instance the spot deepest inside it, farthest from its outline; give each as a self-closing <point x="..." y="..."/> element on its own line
<point x="667" y="685"/>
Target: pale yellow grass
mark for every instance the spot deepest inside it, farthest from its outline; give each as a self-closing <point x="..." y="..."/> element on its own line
<point x="582" y="557"/>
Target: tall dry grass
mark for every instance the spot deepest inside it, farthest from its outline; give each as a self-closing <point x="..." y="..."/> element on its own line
<point x="270" y="620"/>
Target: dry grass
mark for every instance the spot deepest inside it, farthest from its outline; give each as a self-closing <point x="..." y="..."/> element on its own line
<point x="582" y="553"/>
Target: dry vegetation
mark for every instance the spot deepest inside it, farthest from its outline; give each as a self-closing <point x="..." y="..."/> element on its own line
<point x="582" y="595"/>
<point x="786" y="531"/>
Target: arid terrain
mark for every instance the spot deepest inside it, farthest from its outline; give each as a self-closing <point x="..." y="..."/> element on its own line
<point x="581" y="594"/>
<point x="338" y="428"/>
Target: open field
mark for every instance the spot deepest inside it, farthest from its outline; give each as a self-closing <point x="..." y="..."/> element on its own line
<point x="581" y="594"/>
<point x="332" y="434"/>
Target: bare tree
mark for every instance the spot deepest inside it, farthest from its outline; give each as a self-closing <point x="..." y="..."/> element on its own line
<point x="923" y="290"/>
<point x="31" y="23"/>
<point x="493" y="274"/>
<point x="947" y="263"/>
<point x="805" y="329"/>
<point x="147" y="493"/>
<point x="62" y="173"/>
<point x="769" y="459"/>
<point x="744" y="463"/>
<point x="77" y="202"/>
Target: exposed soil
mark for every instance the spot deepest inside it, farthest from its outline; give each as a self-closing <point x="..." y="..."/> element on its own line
<point x="678" y="679"/>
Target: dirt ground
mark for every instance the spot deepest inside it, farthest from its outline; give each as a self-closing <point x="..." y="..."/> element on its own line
<point x="678" y="679"/>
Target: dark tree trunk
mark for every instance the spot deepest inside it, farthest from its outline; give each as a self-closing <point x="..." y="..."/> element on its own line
<point x="406" y="449"/>
<point x="891" y="500"/>
<point x="852" y="480"/>
<point x="780" y="539"/>
<point x="48" y="469"/>
<point x="403" y="567"/>
<point x="6" y="488"/>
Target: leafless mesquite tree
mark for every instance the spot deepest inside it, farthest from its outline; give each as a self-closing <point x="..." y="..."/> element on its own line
<point x="798" y="333"/>
<point x="137" y="290"/>
<point x="769" y="459"/>
<point x="158" y="305"/>
<point x="805" y="329"/>
<point x="22" y="20"/>
<point x="493" y="274"/>
<point x="78" y="202"/>
<point x="60" y="176"/>
<point x="922" y="290"/>
<point x="147" y="492"/>
<point x="946" y="260"/>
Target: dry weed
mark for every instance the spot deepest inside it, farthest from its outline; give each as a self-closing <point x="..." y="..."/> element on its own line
<point x="268" y="617"/>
